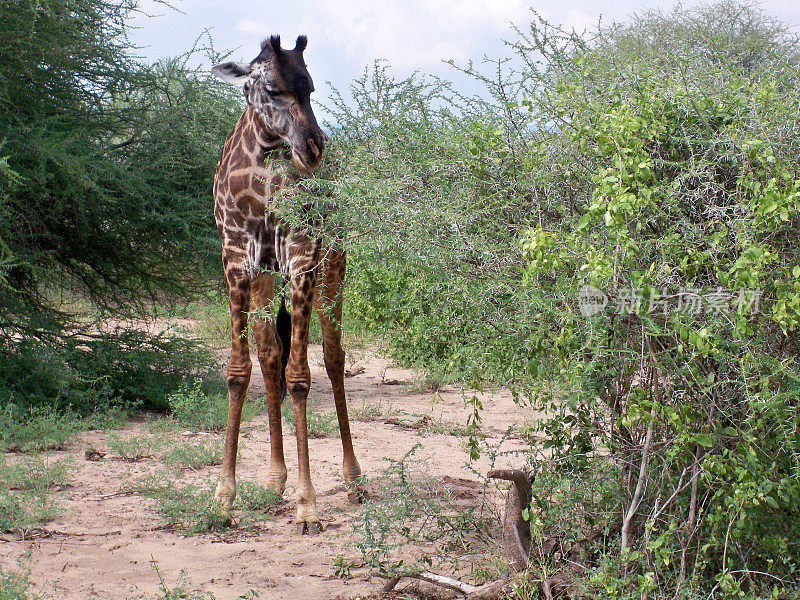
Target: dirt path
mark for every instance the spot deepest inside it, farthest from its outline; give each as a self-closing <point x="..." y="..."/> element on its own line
<point x="103" y="545"/>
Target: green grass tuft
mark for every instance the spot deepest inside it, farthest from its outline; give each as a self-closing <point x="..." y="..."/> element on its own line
<point x="194" y="407"/>
<point x="193" y="456"/>
<point x="180" y="592"/>
<point x="320" y="424"/>
<point x="134" y="448"/>
<point x="27" y="493"/>
<point x="191" y="508"/>
<point x="15" y="585"/>
<point x="36" y="428"/>
<point x="252" y="497"/>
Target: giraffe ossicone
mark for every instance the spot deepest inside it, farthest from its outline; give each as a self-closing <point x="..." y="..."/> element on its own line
<point x="278" y="123"/>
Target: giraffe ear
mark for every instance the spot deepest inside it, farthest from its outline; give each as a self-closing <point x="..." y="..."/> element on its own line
<point x="232" y="72"/>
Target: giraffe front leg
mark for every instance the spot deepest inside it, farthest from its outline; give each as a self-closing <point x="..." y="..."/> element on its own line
<point x="298" y="382"/>
<point x="239" y="368"/>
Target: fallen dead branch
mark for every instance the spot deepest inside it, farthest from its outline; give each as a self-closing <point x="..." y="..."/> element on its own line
<point x="420" y="423"/>
<point x="488" y="591"/>
<point x="82" y="533"/>
<point x="42" y="534"/>
<point x="112" y="495"/>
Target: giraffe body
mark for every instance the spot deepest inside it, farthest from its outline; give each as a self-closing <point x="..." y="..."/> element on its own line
<point x="256" y="245"/>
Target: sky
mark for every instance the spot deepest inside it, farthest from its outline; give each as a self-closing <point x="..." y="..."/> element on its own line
<point x="345" y="36"/>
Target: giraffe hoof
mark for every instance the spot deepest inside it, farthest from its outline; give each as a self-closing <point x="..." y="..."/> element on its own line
<point x="224" y="496"/>
<point x="358" y="496"/>
<point x="226" y="520"/>
<point x="309" y="528"/>
<point x="277" y="484"/>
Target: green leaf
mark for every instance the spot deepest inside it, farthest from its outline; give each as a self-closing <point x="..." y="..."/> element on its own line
<point x="704" y="440"/>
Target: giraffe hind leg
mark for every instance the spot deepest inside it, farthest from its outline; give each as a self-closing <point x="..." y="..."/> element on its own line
<point x="329" y="307"/>
<point x="270" y="352"/>
<point x="283" y="326"/>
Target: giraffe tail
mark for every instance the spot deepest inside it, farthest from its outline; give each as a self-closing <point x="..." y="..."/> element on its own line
<point x="283" y="325"/>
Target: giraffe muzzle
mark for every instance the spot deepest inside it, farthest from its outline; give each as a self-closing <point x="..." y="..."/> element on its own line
<point x="306" y="161"/>
<point x="300" y="164"/>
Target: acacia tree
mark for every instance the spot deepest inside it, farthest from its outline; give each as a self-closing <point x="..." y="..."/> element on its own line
<point x="107" y="163"/>
<point x="106" y="166"/>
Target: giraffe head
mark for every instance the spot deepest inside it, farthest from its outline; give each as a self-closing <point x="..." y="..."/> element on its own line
<point x="277" y="85"/>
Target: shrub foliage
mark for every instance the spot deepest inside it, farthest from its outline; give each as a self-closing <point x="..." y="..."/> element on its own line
<point x="657" y="162"/>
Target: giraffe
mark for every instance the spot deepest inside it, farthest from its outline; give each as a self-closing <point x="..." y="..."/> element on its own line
<point x="255" y="246"/>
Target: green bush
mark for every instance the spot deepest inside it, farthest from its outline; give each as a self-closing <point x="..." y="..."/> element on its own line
<point x="648" y="159"/>
<point x="121" y="370"/>
<point x="418" y="522"/>
<point x="90" y="136"/>
<point x="91" y="226"/>
<point x="673" y="127"/>
<point x="51" y="390"/>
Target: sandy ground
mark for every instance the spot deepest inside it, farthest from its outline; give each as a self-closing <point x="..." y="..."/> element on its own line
<point x="103" y="545"/>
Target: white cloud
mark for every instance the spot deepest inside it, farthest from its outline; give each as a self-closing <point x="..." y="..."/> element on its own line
<point x="414" y="33"/>
<point x="254" y="27"/>
<point x="260" y="30"/>
<point x="580" y="21"/>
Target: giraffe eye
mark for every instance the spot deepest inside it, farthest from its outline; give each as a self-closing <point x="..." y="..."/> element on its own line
<point x="274" y="92"/>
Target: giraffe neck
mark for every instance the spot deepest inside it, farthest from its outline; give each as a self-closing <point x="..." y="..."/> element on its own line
<point x="256" y="137"/>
